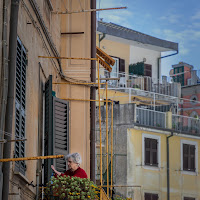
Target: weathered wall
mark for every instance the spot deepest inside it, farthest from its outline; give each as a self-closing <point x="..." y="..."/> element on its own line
<point x="36" y="44"/>
<point x="154" y="179"/>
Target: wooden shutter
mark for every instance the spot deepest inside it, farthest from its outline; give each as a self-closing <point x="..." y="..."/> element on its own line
<point x="20" y="105"/>
<point x="147" y="70"/>
<point x="60" y="130"/>
<point x="48" y="140"/>
<point x="150" y="196"/>
<point x="56" y="131"/>
<point x="151" y="152"/>
<point x="147" y="151"/>
<point x="192" y="158"/>
<point x="189" y="157"/>
<point x="189" y="198"/>
<point x="185" y="156"/>
<point x="121" y="65"/>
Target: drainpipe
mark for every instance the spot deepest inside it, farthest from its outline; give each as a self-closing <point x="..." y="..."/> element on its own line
<point x="101" y="38"/>
<point x="168" y="178"/>
<point x="93" y="91"/>
<point x="11" y="93"/>
<point x="158" y="75"/>
<point x="4" y="83"/>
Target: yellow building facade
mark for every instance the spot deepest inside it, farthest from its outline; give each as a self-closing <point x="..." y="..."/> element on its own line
<point x="183" y="183"/>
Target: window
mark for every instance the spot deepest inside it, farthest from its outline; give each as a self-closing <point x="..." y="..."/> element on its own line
<point x="150" y="196"/>
<point x="20" y="105"/>
<point x="151" y="150"/>
<point x="189" y="198"/>
<point x="189" y="158"/>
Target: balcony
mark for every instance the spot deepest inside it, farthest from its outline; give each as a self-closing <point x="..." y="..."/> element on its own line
<point x="131" y="114"/>
<point x="146" y="83"/>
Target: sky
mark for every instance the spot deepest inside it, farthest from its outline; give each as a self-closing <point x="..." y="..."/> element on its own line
<point x="173" y="20"/>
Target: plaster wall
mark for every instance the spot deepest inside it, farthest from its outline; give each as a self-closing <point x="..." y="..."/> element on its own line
<point x="138" y="54"/>
<point x="116" y="49"/>
<point x="154" y="179"/>
<point x="36" y="44"/>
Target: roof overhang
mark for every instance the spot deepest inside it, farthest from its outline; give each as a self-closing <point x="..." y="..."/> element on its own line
<point x="128" y="36"/>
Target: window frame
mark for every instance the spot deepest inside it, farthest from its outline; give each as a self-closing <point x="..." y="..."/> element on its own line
<point x="151" y="167"/>
<point x="188" y="142"/>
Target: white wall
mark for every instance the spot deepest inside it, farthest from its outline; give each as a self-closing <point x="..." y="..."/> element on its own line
<point x="137" y="54"/>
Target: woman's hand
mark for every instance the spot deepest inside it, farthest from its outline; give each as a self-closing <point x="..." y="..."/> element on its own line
<point x="53" y="168"/>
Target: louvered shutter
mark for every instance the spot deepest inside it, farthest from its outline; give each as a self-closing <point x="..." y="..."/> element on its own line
<point x="147" y="70"/>
<point x="121" y="65"/>
<point x="60" y="130"/>
<point x="185" y="156"/>
<point x="149" y="196"/>
<point x="48" y="140"/>
<point x="147" y="151"/>
<point x="192" y="158"/>
<point x="189" y="198"/>
<point x="20" y="105"/>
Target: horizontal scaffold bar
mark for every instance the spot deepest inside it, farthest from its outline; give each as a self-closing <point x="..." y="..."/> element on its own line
<point x="31" y="158"/>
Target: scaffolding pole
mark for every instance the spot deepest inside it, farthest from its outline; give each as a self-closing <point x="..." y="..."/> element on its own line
<point x="111" y="159"/>
<point x="107" y="138"/>
<point x="89" y="10"/>
<point x="31" y="158"/>
<point x="99" y="100"/>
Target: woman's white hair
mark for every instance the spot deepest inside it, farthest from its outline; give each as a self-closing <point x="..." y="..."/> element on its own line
<point x="76" y="157"/>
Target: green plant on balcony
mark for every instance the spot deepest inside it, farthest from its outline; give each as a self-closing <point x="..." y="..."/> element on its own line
<point x="74" y="188"/>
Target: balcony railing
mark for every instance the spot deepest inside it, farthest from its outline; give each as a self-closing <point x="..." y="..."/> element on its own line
<point x="144" y="83"/>
<point x="179" y="123"/>
<point x="185" y="124"/>
<point x="150" y="117"/>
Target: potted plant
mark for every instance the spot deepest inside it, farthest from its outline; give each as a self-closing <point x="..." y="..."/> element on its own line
<point x="74" y="188"/>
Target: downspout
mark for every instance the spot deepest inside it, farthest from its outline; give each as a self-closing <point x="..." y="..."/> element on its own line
<point x="11" y="93"/>
<point x="101" y="38"/>
<point x="4" y="81"/>
<point x="168" y="177"/>
<point x="158" y="75"/>
<point x="93" y="92"/>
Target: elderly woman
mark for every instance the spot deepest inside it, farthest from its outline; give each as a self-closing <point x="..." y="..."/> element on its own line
<point x="73" y="162"/>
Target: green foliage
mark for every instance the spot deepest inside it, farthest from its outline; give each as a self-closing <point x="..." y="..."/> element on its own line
<point x="72" y="188"/>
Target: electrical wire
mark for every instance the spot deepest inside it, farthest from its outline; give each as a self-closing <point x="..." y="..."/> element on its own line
<point x="64" y="6"/>
<point x="10" y="134"/>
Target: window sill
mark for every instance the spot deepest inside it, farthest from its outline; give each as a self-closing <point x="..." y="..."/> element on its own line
<point x="149" y="167"/>
<point x="21" y="176"/>
<point x="189" y="173"/>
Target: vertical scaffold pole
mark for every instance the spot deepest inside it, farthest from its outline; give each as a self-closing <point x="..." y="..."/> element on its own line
<point x="98" y="66"/>
<point x="111" y="153"/>
<point x="107" y="152"/>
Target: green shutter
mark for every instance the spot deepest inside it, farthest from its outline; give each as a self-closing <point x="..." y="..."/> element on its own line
<point x="60" y="132"/>
<point x="20" y="104"/>
<point x="48" y="140"/>
<point x="56" y="130"/>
